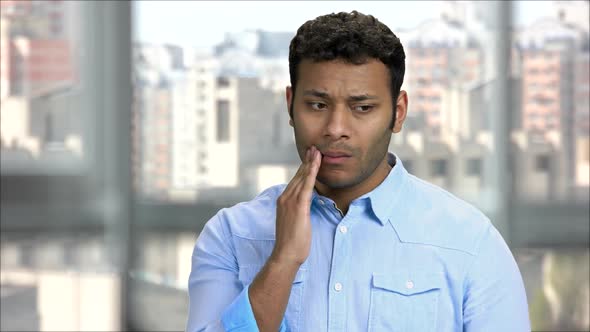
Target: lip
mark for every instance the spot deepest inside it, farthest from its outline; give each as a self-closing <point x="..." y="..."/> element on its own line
<point x="335" y="154"/>
<point x="335" y="157"/>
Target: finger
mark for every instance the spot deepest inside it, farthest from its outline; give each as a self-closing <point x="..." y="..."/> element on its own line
<point x="299" y="174"/>
<point x="314" y="167"/>
<point x="311" y="175"/>
<point x="298" y="180"/>
<point x="297" y="183"/>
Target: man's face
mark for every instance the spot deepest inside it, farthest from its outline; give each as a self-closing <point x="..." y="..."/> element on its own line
<point x="345" y="110"/>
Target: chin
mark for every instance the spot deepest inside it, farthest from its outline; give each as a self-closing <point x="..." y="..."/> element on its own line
<point x="337" y="182"/>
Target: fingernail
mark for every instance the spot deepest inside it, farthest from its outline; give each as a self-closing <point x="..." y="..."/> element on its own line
<point x="307" y="154"/>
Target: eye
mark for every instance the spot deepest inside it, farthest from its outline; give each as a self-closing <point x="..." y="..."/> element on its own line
<point x="363" y="108"/>
<point x="317" y="106"/>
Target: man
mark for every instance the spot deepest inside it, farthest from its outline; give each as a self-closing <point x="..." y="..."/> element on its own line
<point x="353" y="242"/>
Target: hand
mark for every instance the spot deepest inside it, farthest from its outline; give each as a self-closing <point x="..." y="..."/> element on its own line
<point x="293" y="224"/>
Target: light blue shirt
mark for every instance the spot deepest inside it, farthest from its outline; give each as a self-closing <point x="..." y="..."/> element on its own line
<point x="408" y="256"/>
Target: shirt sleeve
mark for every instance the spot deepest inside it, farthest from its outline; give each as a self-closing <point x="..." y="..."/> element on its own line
<point x="495" y="298"/>
<point x="217" y="299"/>
<point x="240" y="317"/>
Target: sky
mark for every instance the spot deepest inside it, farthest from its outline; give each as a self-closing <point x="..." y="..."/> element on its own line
<point x="202" y="24"/>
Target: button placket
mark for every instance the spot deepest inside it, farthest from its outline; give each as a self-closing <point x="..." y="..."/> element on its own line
<point x="337" y="295"/>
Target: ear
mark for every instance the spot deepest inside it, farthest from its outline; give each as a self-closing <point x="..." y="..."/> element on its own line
<point x="289" y="97"/>
<point x="401" y="110"/>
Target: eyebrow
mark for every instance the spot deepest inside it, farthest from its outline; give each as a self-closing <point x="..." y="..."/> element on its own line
<point x="325" y="95"/>
<point x="316" y="93"/>
<point x="362" y="97"/>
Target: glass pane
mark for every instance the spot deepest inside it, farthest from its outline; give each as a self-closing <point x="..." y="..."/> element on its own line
<point x="557" y="286"/>
<point x="551" y="115"/>
<point x="211" y="123"/>
<point x="40" y="88"/>
<point x="58" y="273"/>
<point x="450" y="68"/>
<point x="549" y="142"/>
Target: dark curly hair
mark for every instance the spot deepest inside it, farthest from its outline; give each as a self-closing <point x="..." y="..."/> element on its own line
<point x="353" y="37"/>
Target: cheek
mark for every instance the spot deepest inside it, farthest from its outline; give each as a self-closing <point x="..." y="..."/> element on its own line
<point x="376" y="143"/>
<point x="305" y="131"/>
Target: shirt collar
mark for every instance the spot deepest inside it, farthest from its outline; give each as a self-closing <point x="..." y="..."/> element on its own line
<point x="386" y="195"/>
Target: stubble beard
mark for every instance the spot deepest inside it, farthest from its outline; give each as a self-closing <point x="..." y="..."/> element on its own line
<point x="367" y="166"/>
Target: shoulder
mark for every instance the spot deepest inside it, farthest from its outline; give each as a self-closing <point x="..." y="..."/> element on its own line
<point x="436" y="217"/>
<point x="254" y="219"/>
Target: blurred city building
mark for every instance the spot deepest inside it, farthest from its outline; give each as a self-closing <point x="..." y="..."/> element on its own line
<point x="38" y="78"/>
<point x="195" y="125"/>
<point x="552" y="56"/>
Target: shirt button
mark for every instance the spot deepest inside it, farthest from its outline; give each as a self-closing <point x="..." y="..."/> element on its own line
<point x="338" y="286"/>
<point x="409" y="284"/>
<point x="343" y="229"/>
<point x="322" y="202"/>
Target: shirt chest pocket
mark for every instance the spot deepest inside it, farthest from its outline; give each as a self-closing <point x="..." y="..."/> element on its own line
<point x="404" y="302"/>
<point x="293" y="313"/>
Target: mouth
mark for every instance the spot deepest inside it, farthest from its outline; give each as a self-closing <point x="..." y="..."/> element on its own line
<point x="335" y="157"/>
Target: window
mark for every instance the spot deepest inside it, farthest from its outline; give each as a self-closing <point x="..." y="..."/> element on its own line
<point x="584" y="150"/>
<point x="439" y="167"/>
<point x="437" y="147"/>
<point x="66" y="188"/>
<point x="453" y="133"/>
<point x="473" y="167"/>
<point x="222" y="121"/>
<point x="409" y="165"/>
<point x="202" y="133"/>
<point x="222" y="82"/>
<point x="71" y="151"/>
<point x="542" y="163"/>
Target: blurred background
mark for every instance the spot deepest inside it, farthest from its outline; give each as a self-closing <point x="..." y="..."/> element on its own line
<point x="126" y="125"/>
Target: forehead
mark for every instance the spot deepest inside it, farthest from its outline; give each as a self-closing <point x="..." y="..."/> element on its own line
<point x="338" y="77"/>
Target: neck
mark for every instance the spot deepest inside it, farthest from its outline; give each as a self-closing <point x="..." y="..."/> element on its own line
<point x="344" y="196"/>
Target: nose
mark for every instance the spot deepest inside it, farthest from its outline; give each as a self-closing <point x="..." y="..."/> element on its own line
<point x="338" y="123"/>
